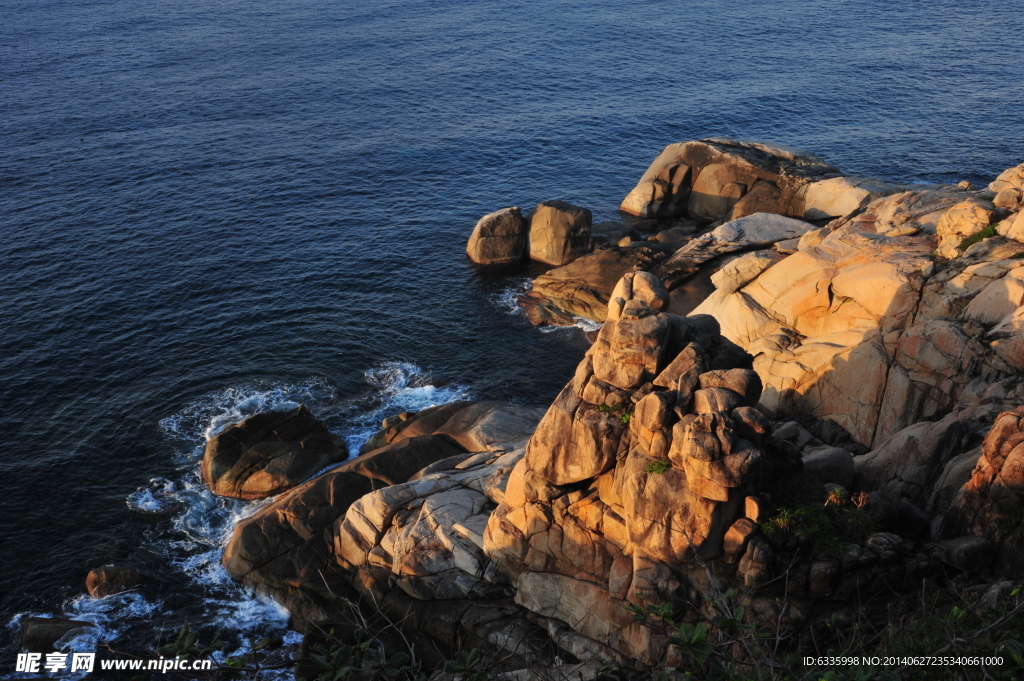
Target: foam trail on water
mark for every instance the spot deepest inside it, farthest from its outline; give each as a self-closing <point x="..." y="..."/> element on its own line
<point x="397" y="387"/>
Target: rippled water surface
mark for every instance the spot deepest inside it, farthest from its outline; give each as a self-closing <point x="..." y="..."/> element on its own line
<point x="208" y="208"/>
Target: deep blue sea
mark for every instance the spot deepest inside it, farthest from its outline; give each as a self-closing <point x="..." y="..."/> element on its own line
<point x="210" y="208"/>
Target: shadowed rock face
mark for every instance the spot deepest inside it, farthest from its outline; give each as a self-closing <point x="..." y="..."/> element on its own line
<point x="499" y="238"/>
<point x="269" y="453"/>
<point x="991" y="503"/>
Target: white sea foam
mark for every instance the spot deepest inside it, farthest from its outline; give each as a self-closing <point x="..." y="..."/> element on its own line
<point x="582" y="323"/>
<point x="507" y="299"/>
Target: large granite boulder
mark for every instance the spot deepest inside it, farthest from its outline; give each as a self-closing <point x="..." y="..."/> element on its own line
<point x="1011" y="178"/>
<point x="722" y="178"/>
<point x="559" y="232"/>
<point x="269" y="453"/>
<point x="499" y="238"/>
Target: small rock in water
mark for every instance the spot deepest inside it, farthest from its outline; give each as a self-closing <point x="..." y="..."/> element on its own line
<point x="111" y="579"/>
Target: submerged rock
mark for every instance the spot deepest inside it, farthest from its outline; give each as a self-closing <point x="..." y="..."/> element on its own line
<point x="39" y="634"/>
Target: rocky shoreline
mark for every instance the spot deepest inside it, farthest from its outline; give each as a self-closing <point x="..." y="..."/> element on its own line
<point x="839" y="415"/>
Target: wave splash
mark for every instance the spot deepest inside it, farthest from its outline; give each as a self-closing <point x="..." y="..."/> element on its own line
<point x="197" y="525"/>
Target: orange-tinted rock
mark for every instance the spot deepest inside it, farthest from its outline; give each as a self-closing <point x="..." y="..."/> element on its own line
<point x="269" y="453"/>
<point x="111" y="579"/>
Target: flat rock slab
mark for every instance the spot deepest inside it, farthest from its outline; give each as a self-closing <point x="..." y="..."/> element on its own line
<point x="759" y="230"/>
<point x="269" y="453"/>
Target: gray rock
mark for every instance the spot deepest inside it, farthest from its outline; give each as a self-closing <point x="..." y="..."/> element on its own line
<point x="830" y="464"/>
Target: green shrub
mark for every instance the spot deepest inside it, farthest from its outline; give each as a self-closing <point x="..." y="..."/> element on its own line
<point x="986" y="233"/>
<point x="658" y="467"/>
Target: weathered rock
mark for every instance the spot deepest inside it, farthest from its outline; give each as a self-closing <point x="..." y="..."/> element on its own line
<point x="559" y="233"/>
<point x="499" y="238"/>
<point x="629" y="350"/>
<point x="735" y="542"/>
<point x="598" y="515"/>
<point x="269" y="453"/>
<point x="850" y="331"/>
<point x="722" y="178"/>
<point x="991" y="502"/>
<point x="955" y="475"/>
<point x="840" y="196"/>
<point x="281" y="550"/>
<point x="965" y="219"/>
<point x="755" y="567"/>
<point x="574" y="441"/>
<point x="111" y="579"/>
<point x="1011" y="198"/>
<point x="743" y="382"/>
<point x="908" y="463"/>
<point x="742" y="234"/>
<point x="406" y="425"/>
<point x="905" y="214"/>
<point x="38" y="634"/>
<point x="491" y="426"/>
<point x="397" y="462"/>
<point x="710" y="400"/>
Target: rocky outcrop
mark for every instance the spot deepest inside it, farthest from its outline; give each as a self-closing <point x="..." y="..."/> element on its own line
<point x="559" y="233"/>
<point x="499" y="238"/>
<point x="723" y="179"/>
<point x="643" y="462"/>
<point x="269" y="453"/>
<point x="864" y="326"/>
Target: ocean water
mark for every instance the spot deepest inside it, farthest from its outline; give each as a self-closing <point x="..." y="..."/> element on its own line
<point x="211" y="208"/>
